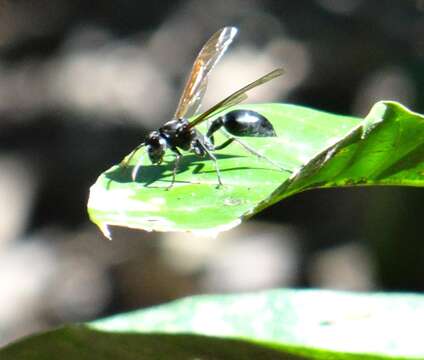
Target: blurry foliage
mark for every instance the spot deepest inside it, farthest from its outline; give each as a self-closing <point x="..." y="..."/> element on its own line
<point x="274" y="324"/>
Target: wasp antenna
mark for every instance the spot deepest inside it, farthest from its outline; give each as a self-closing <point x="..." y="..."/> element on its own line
<point x="128" y="158"/>
<point x="134" y="172"/>
<point x="135" y="169"/>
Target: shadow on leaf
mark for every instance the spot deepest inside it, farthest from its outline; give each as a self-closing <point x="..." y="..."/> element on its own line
<point x="149" y="174"/>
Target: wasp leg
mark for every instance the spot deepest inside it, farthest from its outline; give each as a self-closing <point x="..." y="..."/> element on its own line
<point x="224" y="144"/>
<point x="178" y="156"/>
<point x="251" y="150"/>
<point x="207" y="151"/>
<point x="219" y="124"/>
<point x="211" y="138"/>
<point x="215" y="162"/>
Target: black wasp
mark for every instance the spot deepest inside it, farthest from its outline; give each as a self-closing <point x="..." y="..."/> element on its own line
<point x="179" y="133"/>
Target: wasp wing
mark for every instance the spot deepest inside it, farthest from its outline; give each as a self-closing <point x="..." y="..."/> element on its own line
<point x="207" y="58"/>
<point x="235" y="97"/>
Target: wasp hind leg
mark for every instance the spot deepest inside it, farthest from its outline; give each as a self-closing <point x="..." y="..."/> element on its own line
<point x="251" y="150"/>
<point x="205" y="149"/>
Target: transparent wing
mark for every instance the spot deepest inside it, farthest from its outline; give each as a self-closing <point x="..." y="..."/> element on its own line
<point x="236" y="97"/>
<point x="196" y="102"/>
<point x="207" y="58"/>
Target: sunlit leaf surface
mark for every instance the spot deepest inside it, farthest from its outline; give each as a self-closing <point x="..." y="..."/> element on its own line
<point x="322" y="150"/>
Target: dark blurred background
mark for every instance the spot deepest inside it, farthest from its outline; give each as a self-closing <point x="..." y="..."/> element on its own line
<point x="80" y="84"/>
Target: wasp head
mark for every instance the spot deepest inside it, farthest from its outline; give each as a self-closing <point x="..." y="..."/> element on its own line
<point x="156" y="146"/>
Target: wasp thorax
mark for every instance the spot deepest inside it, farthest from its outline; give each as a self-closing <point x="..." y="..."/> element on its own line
<point x="156" y="147"/>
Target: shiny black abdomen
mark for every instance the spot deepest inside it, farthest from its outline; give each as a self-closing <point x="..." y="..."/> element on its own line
<point x="247" y="123"/>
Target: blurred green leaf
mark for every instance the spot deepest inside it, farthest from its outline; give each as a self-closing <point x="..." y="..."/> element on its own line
<point x="277" y="324"/>
<point x="322" y="149"/>
<point x="82" y="343"/>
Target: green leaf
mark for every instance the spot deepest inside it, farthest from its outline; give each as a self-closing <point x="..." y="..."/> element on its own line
<point x="277" y="324"/>
<point x="322" y="149"/>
